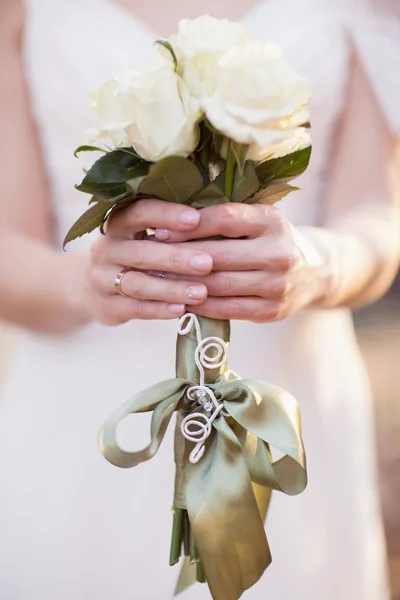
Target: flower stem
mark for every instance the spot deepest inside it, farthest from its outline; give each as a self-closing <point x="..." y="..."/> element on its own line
<point x="176" y="540"/>
<point x="229" y="171"/>
<point x="186" y="534"/>
<point x="194" y="555"/>
<point x="200" y="575"/>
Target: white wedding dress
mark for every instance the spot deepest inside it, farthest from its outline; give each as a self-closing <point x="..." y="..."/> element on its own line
<point x="73" y="527"/>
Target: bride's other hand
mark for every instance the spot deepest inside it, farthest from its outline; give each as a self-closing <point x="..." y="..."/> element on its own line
<point x="125" y="246"/>
<point x="272" y="273"/>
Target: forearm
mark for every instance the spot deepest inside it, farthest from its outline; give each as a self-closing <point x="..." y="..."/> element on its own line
<point x="40" y="288"/>
<point x="356" y="264"/>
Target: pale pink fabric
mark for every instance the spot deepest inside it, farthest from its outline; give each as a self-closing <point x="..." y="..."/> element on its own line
<point x="74" y="527"/>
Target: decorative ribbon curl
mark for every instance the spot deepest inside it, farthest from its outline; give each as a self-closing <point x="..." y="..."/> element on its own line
<point x="196" y="427"/>
<point x="226" y="493"/>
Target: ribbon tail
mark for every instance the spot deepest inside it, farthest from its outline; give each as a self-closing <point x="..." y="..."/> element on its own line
<point x="258" y="464"/>
<point x="163" y="399"/>
<point x="225" y="518"/>
<point x="272" y="415"/>
<point x="263" y="498"/>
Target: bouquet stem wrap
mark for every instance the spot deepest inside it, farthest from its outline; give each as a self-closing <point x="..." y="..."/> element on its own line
<point x="223" y="481"/>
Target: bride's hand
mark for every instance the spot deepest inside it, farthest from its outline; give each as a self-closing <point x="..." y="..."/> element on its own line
<point x="124" y="247"/>
<point x="269" y="275"/>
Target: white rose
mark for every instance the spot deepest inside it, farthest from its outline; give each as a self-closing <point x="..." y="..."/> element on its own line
<point x="258" y="99"/>
<point x="199" y="45"/>
<point x="150" y="109"/>
<point x="300" y="139"/>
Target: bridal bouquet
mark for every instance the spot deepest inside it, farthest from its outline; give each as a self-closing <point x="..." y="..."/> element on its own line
<point x="215" y="118"/>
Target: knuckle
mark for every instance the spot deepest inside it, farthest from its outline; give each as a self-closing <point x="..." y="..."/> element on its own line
<point x="220" y="257"/>
<point x="223" y="218"/>
<point x="232" y="309"/>
<point x="277" y="219"/>
<point x="260" y="314"/>
<point x="264" y="213"/>
<point x="286" y="257"/>
<point x="268" y="312"/>
<point x="223" y="284"/>
<point x="281" y="287"/>
<point x="227" y="213"/>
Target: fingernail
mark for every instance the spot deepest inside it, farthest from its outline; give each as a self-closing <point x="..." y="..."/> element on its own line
<point x="189" y="217"/>
<point x="163" y="234"/>
<point x="176" y="309"/>
<point x="202" y="262"/>
<point x="196" y="292"/>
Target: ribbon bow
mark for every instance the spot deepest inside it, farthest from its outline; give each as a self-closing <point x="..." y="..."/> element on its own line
<point x="224" y="481"/>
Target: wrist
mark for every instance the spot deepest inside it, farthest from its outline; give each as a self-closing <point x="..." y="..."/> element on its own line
<point x="318" y="249"/>
<point x="75" y="289"/>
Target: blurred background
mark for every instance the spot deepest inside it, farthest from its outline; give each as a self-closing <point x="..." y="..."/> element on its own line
<point x="378" y="330"/>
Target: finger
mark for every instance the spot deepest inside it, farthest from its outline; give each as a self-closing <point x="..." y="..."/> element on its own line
<point x="125" y="224"/>
<point x="231" y="220"/>
<point x="120" y="309"/>
<point x="264" y="253"/>
<point x="266" y="285"/>
<point x="142" y="286"/>
<point x="253" y="309"/>
<point x="152" y="256"/>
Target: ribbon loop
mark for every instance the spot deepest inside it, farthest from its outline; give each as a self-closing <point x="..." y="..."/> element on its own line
<point x="163" y="399"/>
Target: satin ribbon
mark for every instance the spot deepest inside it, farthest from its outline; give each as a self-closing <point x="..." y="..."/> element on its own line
<point x="227" y="492"/>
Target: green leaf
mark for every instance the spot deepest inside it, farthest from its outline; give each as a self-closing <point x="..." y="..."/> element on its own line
<point x="108" y="175"/>
<point x="89" y="221"/>
<point x="88" y="149"/>
<point x="246" y="183"/>
<point x="208" y="196"/>
<point x="168" y="46"/>
<point x="173" y="179"/>
<point x="114" y="200"/>
<point x="284" y="169"/>
<point x="272" y="193"/>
